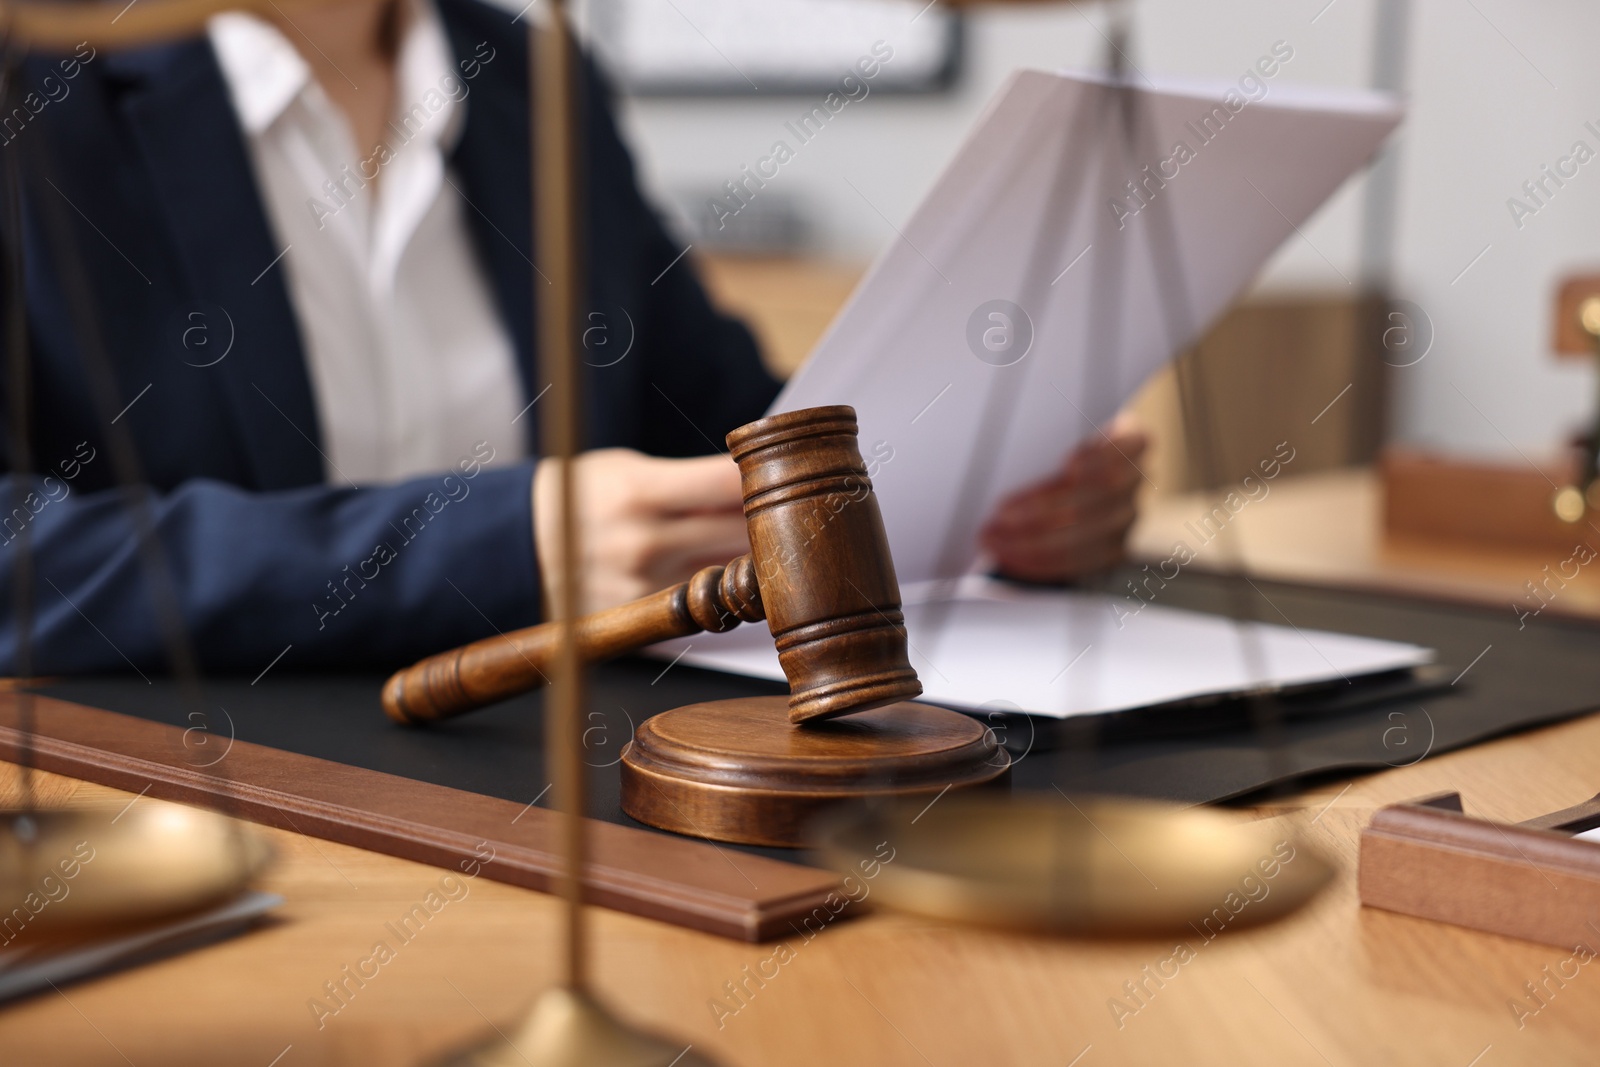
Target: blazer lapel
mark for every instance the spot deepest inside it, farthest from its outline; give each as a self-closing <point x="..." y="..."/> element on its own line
<point x="178" y="109"/>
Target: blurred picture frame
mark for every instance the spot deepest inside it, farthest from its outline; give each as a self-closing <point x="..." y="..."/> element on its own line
<point x="775" y="47"/>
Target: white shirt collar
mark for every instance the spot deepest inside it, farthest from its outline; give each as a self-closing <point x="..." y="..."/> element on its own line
<point x="265" y="73"/>
<point x="425" y="73"/>
<point x="263" y="70"/>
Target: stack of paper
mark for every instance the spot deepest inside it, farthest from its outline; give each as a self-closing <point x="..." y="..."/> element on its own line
<point x="996" y="646"/>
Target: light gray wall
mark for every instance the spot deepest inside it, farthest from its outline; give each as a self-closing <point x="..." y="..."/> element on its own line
<point x="1497" y="88"/>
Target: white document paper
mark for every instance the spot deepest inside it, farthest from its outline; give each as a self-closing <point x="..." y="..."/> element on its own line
<point x="996" y="646"/>
<point x="1024" y="218"/>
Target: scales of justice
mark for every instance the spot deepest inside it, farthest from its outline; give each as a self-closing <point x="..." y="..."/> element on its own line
<point x="764" y="770"/>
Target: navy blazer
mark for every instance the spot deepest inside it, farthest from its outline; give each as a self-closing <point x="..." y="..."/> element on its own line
<point x="140" y="156"/>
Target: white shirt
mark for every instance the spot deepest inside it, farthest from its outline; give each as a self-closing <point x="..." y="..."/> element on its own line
<point x="410" y="363"/>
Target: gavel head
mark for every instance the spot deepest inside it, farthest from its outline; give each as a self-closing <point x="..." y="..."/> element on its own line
<point x="821" y="562"/>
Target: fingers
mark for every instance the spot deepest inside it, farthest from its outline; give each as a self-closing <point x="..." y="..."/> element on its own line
<point x="1126" y="429"/>
<point x="1063" y="503"/>
<point x="686" y="486"/>
<point x="690" y="514"/>
<point x="1075" y="522"/>
<point x="643" y="522"/>
<point x="1101" y="467"/>
<point x="630" y="558"/>
<point x="676" y="548"/>
<point x="1111" y="522"/>
<point x="1119" y="448"/>
<point x="1062" y="552"/>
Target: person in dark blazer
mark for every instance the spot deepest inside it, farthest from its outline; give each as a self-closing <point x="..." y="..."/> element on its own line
<point x="330" y="384"/>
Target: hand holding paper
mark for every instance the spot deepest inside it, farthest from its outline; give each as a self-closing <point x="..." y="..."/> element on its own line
<point x="1075" y="522"/>
<point x="1023" y="302"/>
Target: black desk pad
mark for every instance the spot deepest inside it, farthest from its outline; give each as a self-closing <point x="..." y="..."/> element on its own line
<point x="1516" y="676"/>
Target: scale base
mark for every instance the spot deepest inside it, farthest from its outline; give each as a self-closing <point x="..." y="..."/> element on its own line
<point x="569" y="1029"/>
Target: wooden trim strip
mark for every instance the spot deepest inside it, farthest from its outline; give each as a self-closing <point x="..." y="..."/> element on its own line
<point x="1502" y="879"/>
<point x="654" y="875"/>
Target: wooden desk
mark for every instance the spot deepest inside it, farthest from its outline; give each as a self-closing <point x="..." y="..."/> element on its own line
<point x="1336" y="985"/>
<point x="1326" y="528"/>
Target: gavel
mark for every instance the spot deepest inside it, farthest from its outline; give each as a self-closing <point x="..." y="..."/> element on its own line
<point x="819" y="571"/>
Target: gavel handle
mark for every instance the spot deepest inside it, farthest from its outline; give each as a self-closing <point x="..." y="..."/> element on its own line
<point x="496" y="668"/>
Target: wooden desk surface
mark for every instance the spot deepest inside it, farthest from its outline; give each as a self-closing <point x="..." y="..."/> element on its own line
<point x="1338" y="984"/>
<point x="1327" y="528"/>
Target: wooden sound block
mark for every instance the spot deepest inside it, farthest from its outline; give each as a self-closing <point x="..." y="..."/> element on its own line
<point x="739" y="771"/>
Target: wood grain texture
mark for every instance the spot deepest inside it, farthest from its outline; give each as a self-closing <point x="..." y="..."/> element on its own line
<point x="497" y="668"/>
<point x="738" y="770"/>
<point x="1339" y="984"/>
<point x="1517" y="880"/>
<point x="668" y="878"/>
<point x="823" y="563"/>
